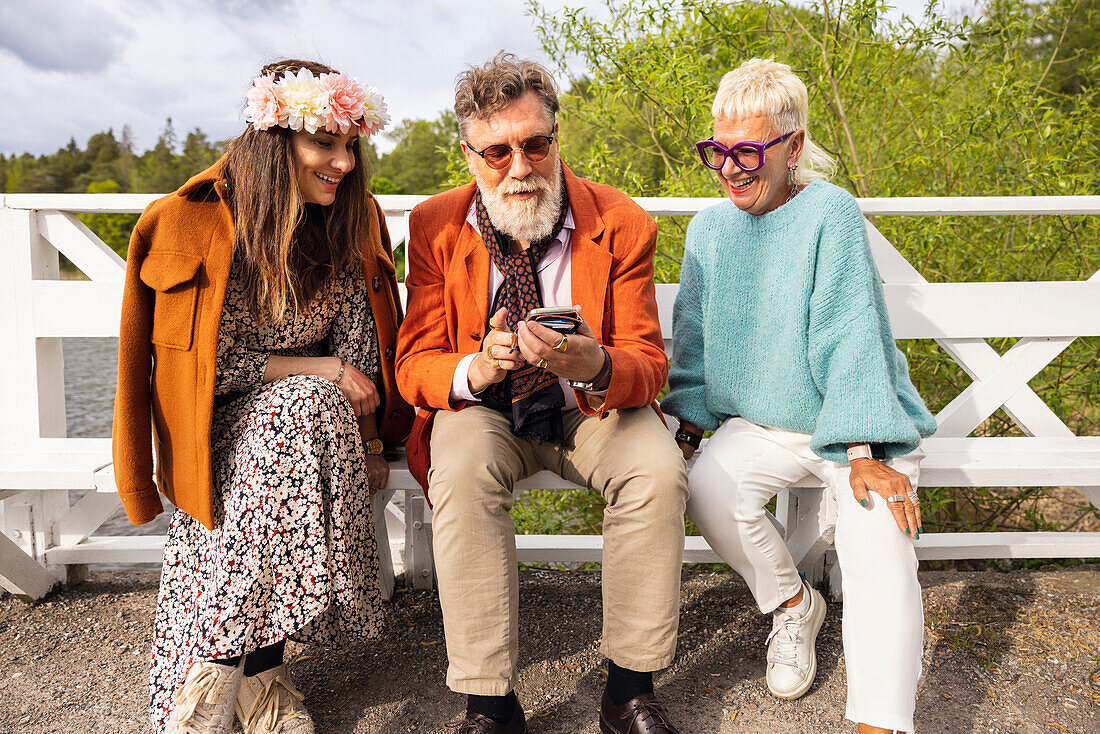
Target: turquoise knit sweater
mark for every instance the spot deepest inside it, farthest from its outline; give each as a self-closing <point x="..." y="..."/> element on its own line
<point x="780" y="319"/>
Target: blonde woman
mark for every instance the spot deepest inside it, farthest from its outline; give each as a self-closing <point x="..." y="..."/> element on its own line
<point x="259" y="319"/>
<point x="783" y="348"/>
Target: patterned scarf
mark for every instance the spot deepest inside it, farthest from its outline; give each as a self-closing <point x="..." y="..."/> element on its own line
<point x="529" y="396"/>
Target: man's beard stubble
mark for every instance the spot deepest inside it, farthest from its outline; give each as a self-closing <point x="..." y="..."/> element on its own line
<point x="529" y="220"/>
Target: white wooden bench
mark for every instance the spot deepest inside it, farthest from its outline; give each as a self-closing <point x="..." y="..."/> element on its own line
<point x="45" y="540"/>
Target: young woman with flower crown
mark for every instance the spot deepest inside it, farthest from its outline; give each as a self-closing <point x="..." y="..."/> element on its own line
<point x="259" y="318"/>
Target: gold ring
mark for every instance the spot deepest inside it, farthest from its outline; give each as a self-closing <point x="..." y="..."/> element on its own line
<point x="541" y="364"/>
<point x="496" y="363"/>
<point x="563" y="345"/>
<point x="494" y="327"/>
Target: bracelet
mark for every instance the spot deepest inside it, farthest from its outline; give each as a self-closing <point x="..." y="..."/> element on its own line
<point x="597" y="383"/>
<point x="691" y="439"/>
<point x="340" y="374"/>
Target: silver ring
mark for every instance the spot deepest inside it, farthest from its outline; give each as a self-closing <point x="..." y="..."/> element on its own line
<point x="913" y="497"/>
<point x="895" y="498"/>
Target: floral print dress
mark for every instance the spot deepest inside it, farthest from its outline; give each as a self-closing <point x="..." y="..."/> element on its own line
<point x="293" y="552"/>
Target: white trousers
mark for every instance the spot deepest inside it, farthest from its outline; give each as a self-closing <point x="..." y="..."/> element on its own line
<point x="742" y="468"/>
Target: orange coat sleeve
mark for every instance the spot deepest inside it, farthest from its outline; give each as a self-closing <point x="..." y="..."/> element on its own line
<point x="632" y="330"/>
<point x="427" y="353"/>
<point x="132" y="445"/>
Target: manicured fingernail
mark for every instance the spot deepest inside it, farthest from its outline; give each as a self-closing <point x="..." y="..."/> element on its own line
<point x="906" y="531"/>
<point x="863" y="502"/>
<point x="917" y="535"/>
<point x="920" y="529"/>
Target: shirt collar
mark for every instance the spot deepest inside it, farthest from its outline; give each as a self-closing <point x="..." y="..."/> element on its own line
<point x="557" y="248"/>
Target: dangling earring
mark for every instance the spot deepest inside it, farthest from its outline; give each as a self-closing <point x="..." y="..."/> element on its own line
<point x="791" y="168"/>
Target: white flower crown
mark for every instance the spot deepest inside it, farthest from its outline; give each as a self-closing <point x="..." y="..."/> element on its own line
<point x="302" y="101"/>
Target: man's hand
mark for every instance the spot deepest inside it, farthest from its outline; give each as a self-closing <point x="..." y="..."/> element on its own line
<point x="498" y="355"/>
<point x="577" y="357"/>
<point x="874" y="476"/>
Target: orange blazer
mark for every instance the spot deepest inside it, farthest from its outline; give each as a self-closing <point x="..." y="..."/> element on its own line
<point x="177" y="270"/>
<point x="448" y="301"/>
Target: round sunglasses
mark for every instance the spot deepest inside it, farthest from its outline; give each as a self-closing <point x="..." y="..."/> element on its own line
<point x="499" y="156"/>
<point x="748" y="155"/>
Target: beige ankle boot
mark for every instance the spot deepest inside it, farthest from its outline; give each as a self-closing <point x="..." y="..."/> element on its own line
<point x="267" y="703"/>
<point x="204" y="703"/>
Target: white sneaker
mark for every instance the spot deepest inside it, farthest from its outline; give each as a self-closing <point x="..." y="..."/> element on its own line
<point x="204" y="703"/>
<point x="268" y="704"/>
<point x="792" y="662"/>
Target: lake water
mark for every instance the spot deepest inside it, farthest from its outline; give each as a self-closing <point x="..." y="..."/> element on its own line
<point x="91" y="370"/>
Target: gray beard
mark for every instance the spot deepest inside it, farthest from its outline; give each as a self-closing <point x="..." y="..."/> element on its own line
<point x="530" y="220"/>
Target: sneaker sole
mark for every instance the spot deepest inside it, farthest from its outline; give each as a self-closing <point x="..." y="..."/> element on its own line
<point x="816" y="621"/>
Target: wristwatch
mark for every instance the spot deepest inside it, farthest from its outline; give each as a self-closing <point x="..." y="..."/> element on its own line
<point x="874" y="451"/>
<point x="374" y="447"/>
<point x="691" y="439"/>
<point x="602" y="379"/>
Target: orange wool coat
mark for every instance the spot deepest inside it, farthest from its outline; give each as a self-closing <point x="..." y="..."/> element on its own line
<point x="611" y="277"/>
<point x="177" y="270"/>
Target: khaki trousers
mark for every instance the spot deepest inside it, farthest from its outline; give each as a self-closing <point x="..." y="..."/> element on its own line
<point x="631" y="459"/>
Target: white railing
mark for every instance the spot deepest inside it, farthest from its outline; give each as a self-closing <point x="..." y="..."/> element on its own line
<point x="45" y="539"/>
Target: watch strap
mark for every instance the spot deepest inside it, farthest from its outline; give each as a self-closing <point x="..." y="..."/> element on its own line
<point x="597" y="383"/>
<point x="860" y="451"/>
<point x="691" y="439"/>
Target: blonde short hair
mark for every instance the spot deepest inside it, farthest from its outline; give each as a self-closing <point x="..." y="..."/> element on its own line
<point x="765" y="87"/>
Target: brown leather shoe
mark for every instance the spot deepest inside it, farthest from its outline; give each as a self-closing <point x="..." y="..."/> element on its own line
<point x="478" y="724"/>
<point x="643" y="714"/>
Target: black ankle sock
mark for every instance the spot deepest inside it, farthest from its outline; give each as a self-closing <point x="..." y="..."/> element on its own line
<point x="497" y="708"/>
<point x="228" y="662"/>
<point x="624" y="684"/>
<point x="265" y="658"/>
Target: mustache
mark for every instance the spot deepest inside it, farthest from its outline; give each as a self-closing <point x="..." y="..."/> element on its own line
<point x="533" y="183"/>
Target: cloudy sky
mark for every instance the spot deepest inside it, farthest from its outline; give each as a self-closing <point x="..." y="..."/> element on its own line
<point x="75" y="67"/>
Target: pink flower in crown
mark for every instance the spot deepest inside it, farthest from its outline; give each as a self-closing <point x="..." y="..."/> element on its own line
<point x="263" y="109"/>
<point x="374" y="112"/>
<point x="345" y="101"/>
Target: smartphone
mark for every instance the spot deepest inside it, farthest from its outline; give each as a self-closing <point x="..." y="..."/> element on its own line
<point x="562" y="319"/>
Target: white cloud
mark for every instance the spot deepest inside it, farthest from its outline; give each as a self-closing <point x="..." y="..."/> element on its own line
<point x="52" y="36"/>
<point x="192" y="60"/>
<point x="78" y="67"/>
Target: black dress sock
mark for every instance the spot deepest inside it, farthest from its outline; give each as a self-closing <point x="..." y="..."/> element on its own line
<point x="264" y="658"/>
<point x="624" y="684"/>
<point x="229" y="662"/>
<point x="497" y="708"/>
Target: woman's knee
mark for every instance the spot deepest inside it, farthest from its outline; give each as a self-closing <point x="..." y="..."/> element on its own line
<point x="716" y="491"/>
<point x="304" y="396"/>
<point x="872" y="548"/>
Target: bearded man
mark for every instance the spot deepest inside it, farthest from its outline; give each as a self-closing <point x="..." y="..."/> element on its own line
<point x="503" y="396"/>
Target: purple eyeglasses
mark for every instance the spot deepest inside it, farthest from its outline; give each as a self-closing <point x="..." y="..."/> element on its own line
<point x="748" y="155"/>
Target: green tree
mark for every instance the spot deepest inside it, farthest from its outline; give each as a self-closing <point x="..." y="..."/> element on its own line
<point x="198" y="154"/>
<point x="113" y="229"/>
<point x="418" y="162"/>
<point x="1003" y="103"/>
<point x="157" y="169"/>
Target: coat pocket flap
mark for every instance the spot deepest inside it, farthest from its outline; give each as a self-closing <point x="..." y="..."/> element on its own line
<point x="162" y="271"/>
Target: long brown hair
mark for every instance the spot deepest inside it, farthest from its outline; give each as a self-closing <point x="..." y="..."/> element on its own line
<point x="288" y="248"/>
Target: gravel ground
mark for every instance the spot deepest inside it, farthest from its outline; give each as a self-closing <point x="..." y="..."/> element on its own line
<point x="1015" y="652"/>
